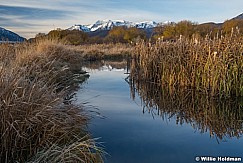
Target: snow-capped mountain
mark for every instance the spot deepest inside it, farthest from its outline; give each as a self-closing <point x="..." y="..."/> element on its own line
<point x="6" y="35"/>
<point x="109" y="24"/>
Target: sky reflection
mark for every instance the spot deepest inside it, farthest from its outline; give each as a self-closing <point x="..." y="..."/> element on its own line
<point x="129" y="135"/>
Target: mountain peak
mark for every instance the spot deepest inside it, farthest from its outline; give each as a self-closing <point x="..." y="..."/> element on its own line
<point x="109" y="24"/>
<point x="6" y="35"/>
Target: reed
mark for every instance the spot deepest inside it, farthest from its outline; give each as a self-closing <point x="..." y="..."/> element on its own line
<point x="213" y="66"/>
<point x="37" y="124"/>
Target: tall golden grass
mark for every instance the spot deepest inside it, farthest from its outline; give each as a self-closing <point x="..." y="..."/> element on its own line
<point x="213" y="66"/>
<point x="36" y="125"/>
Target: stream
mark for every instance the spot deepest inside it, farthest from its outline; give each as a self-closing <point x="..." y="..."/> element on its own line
<point x="131" y="132"/>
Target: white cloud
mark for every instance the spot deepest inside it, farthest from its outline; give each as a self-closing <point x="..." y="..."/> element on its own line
<point x="87" y="12"/>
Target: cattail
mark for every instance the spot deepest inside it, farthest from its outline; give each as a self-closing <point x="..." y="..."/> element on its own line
<point x="213" y="66"/>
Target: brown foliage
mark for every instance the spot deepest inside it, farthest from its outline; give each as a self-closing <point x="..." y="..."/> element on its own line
<point x="37" y="124"/>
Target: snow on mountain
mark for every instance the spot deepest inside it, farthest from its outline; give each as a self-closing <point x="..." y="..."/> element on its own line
<point x="6" y="35"/>
<point x="80" y="27"/>
<point x="146" y="24"/>
<point x="239" y="16"/>
<point x="109" y="24"/>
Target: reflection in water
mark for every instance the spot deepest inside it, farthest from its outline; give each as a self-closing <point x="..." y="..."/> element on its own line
<point x="109" y="64"/>
<point x="222" y="119"/>
<point x="130" y="136"/>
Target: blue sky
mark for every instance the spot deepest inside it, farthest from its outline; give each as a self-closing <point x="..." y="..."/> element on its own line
<point x="28" y="17"/>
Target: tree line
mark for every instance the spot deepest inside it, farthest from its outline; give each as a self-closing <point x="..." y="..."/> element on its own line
<point x="77" y="37"/>
<point x="188" y="29"/>
<point x="122" y="34"/>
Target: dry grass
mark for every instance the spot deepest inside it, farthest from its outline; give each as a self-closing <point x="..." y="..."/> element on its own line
<point x="212" y="66"/>
<point x="104" y="51"/>
<point x="35" y="123"/>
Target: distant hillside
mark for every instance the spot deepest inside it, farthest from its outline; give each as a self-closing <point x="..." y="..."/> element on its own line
<point x="6" y="35"/>
<point x="98" y="33"/>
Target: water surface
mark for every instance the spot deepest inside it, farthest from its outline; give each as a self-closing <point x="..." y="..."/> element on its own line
<point x="132" y="132"/>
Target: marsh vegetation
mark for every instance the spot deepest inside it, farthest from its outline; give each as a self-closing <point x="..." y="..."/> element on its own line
<point x="197" y="80"/>
<point x="38" y="124"/>
<point x="210" y="65"/>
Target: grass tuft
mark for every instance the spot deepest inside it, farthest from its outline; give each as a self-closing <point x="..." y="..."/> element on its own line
<point x="37" y="125"/>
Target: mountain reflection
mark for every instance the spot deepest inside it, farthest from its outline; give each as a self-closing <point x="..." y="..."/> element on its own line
<point x="221" y="119"/>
